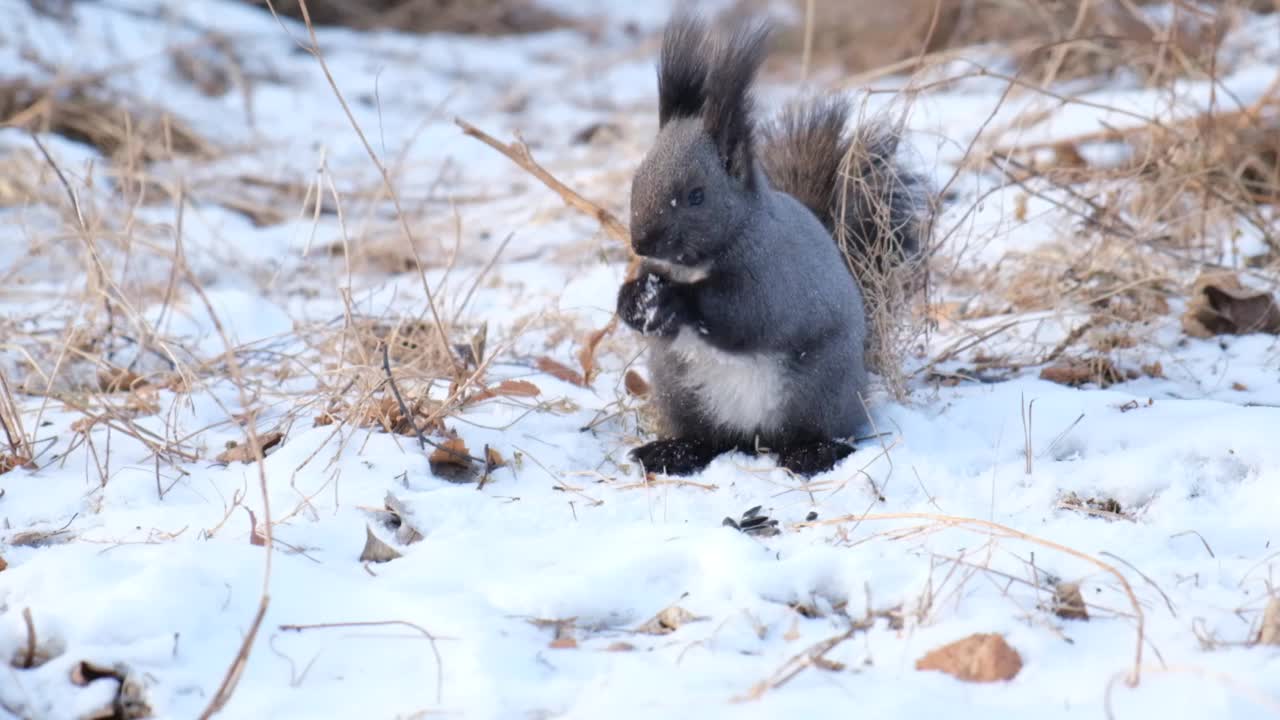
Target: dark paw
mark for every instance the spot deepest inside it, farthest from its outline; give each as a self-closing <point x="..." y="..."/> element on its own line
<point x="814" y="458"/>
<point x="649" y="305"/>
<point x="675" y="457"/>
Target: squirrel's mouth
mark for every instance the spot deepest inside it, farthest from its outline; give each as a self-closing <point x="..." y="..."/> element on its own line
<point x="678" y="272"/>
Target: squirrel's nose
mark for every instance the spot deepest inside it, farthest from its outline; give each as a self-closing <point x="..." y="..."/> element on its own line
<point x="645" y="241"/>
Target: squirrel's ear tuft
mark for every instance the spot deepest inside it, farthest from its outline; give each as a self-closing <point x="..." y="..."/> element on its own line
<point x="682" y="69"/>
<point x="727" y="113"/>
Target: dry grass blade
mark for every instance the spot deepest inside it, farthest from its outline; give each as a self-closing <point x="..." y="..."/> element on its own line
<point x="482" y="17"/>
<point x="125" y="129"/>
<point x="519" y="153"/>
<point x="435" y="650"/>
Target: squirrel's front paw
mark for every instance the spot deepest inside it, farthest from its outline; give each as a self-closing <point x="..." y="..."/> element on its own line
<point x="650" y="305"/>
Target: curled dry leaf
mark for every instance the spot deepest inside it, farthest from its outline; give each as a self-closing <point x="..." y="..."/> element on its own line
<point x="452" y="461"/>
<point x="237" y="452"/>
<point x="668" y="621"/>
<point x="256" y="537"/>
<point x="1077" y="372"/>
<point x="375" y="550"/>
<point x="982" y="657"/>
<point x="559" y="370"/>
<point x="620" y="646"/>
<point x="39" y="538"/>
<point x="587" y="354"/>
<point x="114" y="379"/>
<point x="1068" y="603"/>
<point x="3" y="565"/>
<point x="9" y="462"/>
<point x="128" y="703"/>
<point x="636" y="384"/>
<point x="507" y="388"/>
<point x="494" y="458"/>
<point x="1220" y="305"/>
<point x="1269" y="633"/>
<point x="402" y="520"/>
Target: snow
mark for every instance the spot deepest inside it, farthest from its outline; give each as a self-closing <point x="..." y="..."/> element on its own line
<point x="154" y="567"/>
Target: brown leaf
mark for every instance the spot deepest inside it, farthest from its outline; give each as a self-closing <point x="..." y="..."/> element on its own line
<point x="1269" y="633"/>
<point x="620" y="646"/>
<point x="668" y="621"/>
<point x="451" y="461"/>
<point x="587" y="353"/>
<point x="1068" y="603"/>
<point x="237" y="452"/>
<point x="375" y="550"/>
<point x="1079" y="372"/>
<point x="402" y="520"/>
<point x="3" y="565"/>
<point x="563" y="643"/>
<point x="114" y="379"/>
<point x="494" y="458"/>
<point x="255" y="535"/>
<point x="1239" y="387"/>
<point x="1220" y="305"/>
<point x="559" y="370"/>
<point x="507" y="388"/>
<point x="1155" y="370"/>
<point x="982" y="657"/>
<point x="9" y="462"/>
<point x="128" y="703"/>
<point x="635" y="384"/>
<point x="39" y="538"/>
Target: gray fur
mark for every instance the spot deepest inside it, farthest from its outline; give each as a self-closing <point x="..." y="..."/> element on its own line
<point x="756" y="327"/>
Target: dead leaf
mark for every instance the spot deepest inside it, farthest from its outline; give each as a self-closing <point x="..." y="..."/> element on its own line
<point x="1220" y="305"/>
<point x="507" y="388"/>
<point x="494" y="458"/>
<point x="3" y="565"/>
<point x="452" y="461"/>
<point x="39" y="538"/>
<point x="587" y="354"/>
<point x="1077" y="372"/>
<point x="255" y="535"/>
<point x="128" y="703"/>
<point x="563" y="643"/>
<point x="620" y="646"/>
<point x="635" y="384"/>
<point x="559" y="370"/>
<point x="981" y="657"/>
<point x="668" y="621"/>
<point x="1155" y="370"/>
<point x="1239" y="387"/>
<point x="1269" y="633"/>
<point x="375" y="550"/>
<point x="1068" y="603"/>
<point x="115" y="379"/>
<point x="237" y="452"/>
<point x="402" y="520"/>
<point x="9" y="462"/>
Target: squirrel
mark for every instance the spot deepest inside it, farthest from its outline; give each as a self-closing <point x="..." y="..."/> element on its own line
<point x="756" y="324"/>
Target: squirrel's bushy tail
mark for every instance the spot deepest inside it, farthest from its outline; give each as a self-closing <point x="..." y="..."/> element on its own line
<point x="850" y="179"/>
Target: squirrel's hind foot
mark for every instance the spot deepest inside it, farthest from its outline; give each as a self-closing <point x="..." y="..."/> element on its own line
<point x="814" y="458"/>
<point x="676" y="456"/>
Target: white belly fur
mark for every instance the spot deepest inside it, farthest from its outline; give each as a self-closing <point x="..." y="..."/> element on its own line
<point x="739" y="392"/>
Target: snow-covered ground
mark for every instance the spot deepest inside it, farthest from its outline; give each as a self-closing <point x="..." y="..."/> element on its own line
<point x="538" y="588"/>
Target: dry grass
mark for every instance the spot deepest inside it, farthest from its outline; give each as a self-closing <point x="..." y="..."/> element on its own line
<point x="472" y="17"/>
<point x="125" y="129"/>
<point x="1049" y="39"/>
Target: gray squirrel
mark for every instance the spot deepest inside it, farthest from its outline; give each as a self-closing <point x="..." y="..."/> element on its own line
<point x="755" y="324"/>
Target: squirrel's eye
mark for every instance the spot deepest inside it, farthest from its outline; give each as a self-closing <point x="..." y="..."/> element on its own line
<point x="695" y="196"/>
